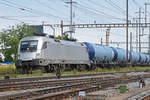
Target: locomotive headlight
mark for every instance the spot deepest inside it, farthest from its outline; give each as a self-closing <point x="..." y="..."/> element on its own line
<point x="18" y="56"/>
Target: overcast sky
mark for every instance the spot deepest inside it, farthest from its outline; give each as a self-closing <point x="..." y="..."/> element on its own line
<point x="34" y="12"/>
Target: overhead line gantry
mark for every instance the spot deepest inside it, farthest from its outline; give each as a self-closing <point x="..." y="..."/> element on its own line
<point x="113" y="25"/>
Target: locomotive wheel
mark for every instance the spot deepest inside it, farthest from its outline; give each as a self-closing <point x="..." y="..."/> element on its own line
<point x="19" y="69"/>
<point x="23" y="70"/>
<point x="79" y="68"/>
<point x="27" y="69"/>
<point x="30" y="69"/>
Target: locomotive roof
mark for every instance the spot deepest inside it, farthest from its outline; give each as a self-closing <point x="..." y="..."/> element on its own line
<point x="53" y="40"/>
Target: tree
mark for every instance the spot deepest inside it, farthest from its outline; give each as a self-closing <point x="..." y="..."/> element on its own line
<point x="9" y="40"/>
<point x="1" y="60"/>
<point x="65" y="37"/>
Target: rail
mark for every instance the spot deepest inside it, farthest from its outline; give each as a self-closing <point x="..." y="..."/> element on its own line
<point x="69" y="90"/>
<point x="9" y="81"/>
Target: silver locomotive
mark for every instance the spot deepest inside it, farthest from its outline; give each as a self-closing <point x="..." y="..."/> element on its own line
<point x="39" y="51"/>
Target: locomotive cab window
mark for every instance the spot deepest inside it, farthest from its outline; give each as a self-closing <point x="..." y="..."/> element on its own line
<point x="44" y="45"/>
<point x="29" y="46"/>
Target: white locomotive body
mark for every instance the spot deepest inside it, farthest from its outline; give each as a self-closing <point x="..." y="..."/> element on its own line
<point x="45" y="52"/>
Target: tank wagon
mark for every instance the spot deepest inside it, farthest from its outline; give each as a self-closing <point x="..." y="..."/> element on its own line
<point x="135" y="58"/>
<point x="49" y="53"/>
<point x="99" y="54"/>
<point x="142" y="58"/>
<point x="120" y="56"/>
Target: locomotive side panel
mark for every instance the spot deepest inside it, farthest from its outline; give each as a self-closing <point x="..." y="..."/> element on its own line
<point x="63" y="53"/>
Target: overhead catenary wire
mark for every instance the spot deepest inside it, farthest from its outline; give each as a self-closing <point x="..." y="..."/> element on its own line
<point x="1" y="17"/>
<point x="27" y="9"/>
<point x="118" y="8"/>
<point x="75" y="18"/>
<point x="80" y="9"/>
<point x="96" y="12"/>
<point x="31" y="10"/>
<point x="93" y="14"/>
<point x="100" y="5"/>
<point x="20" y="16"/>
<point x="100" y="12"/>
<point x="19" y="20"/>
<point x="11" y="17"/>
<point x="115" y="6"/>
<point x="137" y="4"/>
<point x="49" y="7"/>
<point x="88" y="12"/>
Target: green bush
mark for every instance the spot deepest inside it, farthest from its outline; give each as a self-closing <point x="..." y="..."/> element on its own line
<point x="123" y="89"/>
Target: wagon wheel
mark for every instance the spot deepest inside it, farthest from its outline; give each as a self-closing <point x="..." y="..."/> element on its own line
<point x="50" y="68"/>
<point x="81" y="67"/>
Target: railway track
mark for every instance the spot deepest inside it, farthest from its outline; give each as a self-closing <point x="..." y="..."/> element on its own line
<point x="146" y="97"/>
<point x="47" y="83"/>
<point x="17" y="80"/>
<point x="41" y="82"/>
<point x="63" y="91"/>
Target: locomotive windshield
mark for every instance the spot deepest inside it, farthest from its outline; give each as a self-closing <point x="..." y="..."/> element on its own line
<point x="29" y="46"/>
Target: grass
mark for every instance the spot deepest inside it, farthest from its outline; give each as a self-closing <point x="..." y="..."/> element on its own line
<point x="123" y="89"/>
<point x="117" y="69"/>
<point x="11" y="71"/>
<point x="34" y="74"/>
<point x="7" y="69"/>
<point x="101" y="70"/>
